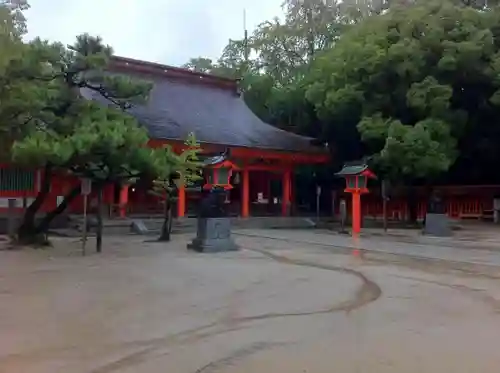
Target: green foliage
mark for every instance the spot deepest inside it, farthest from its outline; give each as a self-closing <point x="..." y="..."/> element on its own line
<point x="411" y="78"/>
<point x="15" y="21"/>
<point x="69" y="131"/>
<point x="73" y="132"/>
<point x="102" y="144"/>
<point x="283" y="49"/>
<point x="21" y="97"/>
<point x="175" y="170"/>
<point x="274" y="60"/>
<point x="199" y="64"/>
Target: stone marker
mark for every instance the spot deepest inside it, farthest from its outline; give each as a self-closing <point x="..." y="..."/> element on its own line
<point x="213" y="235"/>
<point x="437" y="225"/>
<point x="437" y="222"/>
<point x="139" y="227"/>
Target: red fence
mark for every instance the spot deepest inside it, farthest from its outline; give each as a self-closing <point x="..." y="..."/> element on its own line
<point x="460" y="202"/>
<point x="456" y="208"/>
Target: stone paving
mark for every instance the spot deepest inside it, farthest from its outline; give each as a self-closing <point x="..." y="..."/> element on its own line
<point x="277" y="305"/>
<point x="449" y="249"/>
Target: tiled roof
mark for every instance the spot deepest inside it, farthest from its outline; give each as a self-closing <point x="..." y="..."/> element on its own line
<point x="182" y="102"/>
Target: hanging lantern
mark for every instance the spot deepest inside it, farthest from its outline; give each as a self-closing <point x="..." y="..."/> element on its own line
<point x="218" y="173"/>
<point x="356" y="177"/>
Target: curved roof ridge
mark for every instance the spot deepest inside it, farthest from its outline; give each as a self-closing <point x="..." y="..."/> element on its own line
<point x="179" y="104"/>
<point x="128" y="65"/>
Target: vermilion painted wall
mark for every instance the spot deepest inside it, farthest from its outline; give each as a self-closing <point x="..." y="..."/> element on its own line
<point x="60" y="185"/>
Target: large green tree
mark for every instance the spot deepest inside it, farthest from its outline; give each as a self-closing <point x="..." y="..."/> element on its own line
<point x="415" y="81"/>
<point x="72" y="133"/>
<point x="375" y="84"/>
<point x="21" y="97"/>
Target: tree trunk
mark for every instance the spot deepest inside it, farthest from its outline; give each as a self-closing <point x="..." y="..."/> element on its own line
<point x="27" y="233"/>
<point x="44" y="224"/>
<point x="384" y="203"/>
<point x="98" y="243"/>
<point x="166" y="227"/>
<point x="170" y="221"/>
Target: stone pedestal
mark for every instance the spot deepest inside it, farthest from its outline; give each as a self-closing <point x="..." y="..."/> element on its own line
<point x="496" y="210"/>
<point x="437" y="225"/>
<point x="213" y="235"/>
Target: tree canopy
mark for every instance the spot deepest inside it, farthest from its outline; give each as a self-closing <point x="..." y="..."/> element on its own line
<point x="416" y="81"/>
<point x="61" y="111"/>
<point x="410" y="84"/>
<point x="21" y="97"/>
<point x="76" y="133"/>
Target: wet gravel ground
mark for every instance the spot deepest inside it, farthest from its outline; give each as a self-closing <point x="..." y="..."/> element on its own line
<point x="273" y="306"/>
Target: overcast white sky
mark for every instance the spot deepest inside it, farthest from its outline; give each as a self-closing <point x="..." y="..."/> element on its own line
<point x="165" y="31"/>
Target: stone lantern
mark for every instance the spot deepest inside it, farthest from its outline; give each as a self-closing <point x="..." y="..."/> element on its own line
<point x="213" y="232"/>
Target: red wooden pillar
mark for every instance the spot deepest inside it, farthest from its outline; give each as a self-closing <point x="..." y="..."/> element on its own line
<point x="123" y="201"/>
<point x="356" y="212"/>
<point x="108" y="194"/>
<point x="286" y="185"/>
<point x="181" y="202"/>
<point x="245" y="193"/>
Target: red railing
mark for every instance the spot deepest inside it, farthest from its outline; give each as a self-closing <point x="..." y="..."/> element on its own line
<point x="454" y="207"/>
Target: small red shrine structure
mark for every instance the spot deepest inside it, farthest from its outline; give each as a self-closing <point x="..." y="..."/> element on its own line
<point x="182" y="102"/>
<point x="356" y="177"/>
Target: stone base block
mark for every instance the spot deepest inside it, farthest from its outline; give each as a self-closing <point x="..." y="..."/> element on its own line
<point x="212" y="246"/>
<point x="213" y="235"/>
<point x="437" y="225"/>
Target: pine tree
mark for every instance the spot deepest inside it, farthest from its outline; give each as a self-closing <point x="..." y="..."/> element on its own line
<point x="177" y="171"/>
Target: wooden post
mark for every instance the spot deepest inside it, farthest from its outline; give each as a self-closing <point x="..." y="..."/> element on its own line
<point x="285" y="201"/>
<point x="181" y="201"/>
<point x="245" y="193"/>
<point x="85" y="223"/>
<point x="343" y="215"/>
<point x="123" y="201"/>
<point x="334" y="198"/>
<point x="86" y="186"/>
<point x="318" y="200"/>
<point x="384" y="204"/>
<point x="356" y="212"/>
<point x="98" y="242"/>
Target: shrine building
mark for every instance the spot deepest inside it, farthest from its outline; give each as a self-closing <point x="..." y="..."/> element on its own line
<point x="182" y="102"/>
